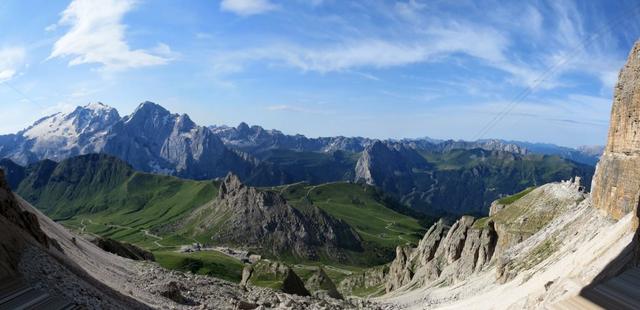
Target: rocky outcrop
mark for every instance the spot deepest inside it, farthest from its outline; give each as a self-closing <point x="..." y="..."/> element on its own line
<point x="123" y="249"/>
<point x="496" y="207"/>
<point x="321" y="285"/>
<point x="247" y="272"/>
<point x="450" y="254"/>
<point x="419" y="259"/>
<point x="446" y="253"/>
<point x="370" y="280"/>
<point x="400" y="270"/>
<point x="616" y="185"/>
<point x="276" y="275"/>
<point x="263" y="220"/>
<point x="173" y="291"/>
<point x="479" y="247"/>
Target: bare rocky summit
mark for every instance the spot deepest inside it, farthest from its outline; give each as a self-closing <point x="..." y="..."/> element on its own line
<point x="261" y="219"/>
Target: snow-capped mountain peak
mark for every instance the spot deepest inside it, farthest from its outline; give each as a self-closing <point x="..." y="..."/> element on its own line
<point x="79" y="131"/>
<point x="97" y="106"/>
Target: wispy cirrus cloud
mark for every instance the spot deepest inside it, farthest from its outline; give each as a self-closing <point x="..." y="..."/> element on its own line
<point x="296" y="109"/>
<point x="97" y="35"/>
<point x="418" y="32"/>
<point x="247" y="7"/>
<point x="374" y="52"/>
<point x="11" y="59"/>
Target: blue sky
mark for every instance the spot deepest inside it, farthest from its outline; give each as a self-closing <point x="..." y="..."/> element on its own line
<point x="382" y="69"/>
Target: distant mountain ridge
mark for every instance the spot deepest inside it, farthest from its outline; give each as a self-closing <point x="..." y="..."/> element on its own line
<point x="418" y="172"/>
<point x="256" y="140"/>
<point x="97" y="127"/>
<point x="458" y="181"/>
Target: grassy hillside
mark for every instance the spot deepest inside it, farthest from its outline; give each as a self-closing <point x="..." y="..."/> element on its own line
<point x="209" y="263"/>
<point x="102" y="195"/>
<point x="105" y="196"/>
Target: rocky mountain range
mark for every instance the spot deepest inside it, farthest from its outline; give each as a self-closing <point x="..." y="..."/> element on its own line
<point x="418" y="172"/>
<point x="151" y="139"/>
<point x="256" y="140"/>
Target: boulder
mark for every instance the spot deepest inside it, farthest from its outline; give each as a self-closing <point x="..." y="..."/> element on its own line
<point x="123" y="249"/>
<point x="278" y="274"/>
<point x="172" y="290"/>
<point x="321" y="285"/>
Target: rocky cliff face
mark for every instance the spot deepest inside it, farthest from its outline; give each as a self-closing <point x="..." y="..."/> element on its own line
<point x="263" y="220"/>
<point x="153" y="139"/>
<point x="389" y="166"/>
<point x="17" y="228"/>
<point x="616" y="185"/>
<point x="370" y="280"/>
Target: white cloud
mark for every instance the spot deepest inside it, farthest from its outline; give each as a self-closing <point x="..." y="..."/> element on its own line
<point x="532" y="49"/>
<point x="11" y="59"/>
<point x="472" y="40"/>
<point x="247" y="7"/>
<point x="297" y="109"/>
<point x="97" y="35"/>
<point x="409" y="10"/>
<point x="51" y="28"/>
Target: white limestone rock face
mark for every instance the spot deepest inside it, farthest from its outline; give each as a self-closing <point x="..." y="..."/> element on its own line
<point x="153" y="139"/>
<point x="616" y="185"/>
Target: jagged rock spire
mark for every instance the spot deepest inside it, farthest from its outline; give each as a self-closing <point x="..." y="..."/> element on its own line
<point x="230" y="184"/>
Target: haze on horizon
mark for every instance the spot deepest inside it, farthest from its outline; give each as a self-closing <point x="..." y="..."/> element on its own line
<point x="379" y="69"/>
